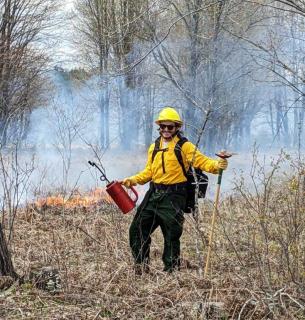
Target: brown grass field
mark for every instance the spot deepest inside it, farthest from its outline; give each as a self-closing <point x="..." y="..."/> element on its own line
<point x="257" y="266"/>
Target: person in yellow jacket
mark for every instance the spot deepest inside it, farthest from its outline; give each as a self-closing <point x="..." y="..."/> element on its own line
<point x="165" y="201"/>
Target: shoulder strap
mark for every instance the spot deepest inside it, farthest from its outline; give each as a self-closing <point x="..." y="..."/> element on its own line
<point x="178" y="148"/>
<point x="156" y="148"/>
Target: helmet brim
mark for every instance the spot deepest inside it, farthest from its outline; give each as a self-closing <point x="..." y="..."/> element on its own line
<point x="180" y="123"/>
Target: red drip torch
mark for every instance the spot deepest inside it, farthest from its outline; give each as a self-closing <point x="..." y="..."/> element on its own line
<point x="117" y="192"/>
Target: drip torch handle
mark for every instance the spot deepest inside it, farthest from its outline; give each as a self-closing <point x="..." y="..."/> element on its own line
<point x="135" y="193"/>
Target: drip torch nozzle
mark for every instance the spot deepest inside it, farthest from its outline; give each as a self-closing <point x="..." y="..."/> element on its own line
<point x="103" y="176"/>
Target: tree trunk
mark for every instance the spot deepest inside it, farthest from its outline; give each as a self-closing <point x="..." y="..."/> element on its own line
<point x="6" y="265"/>
<point x="149" y="100"/>
<point x="286" y="121"/>
<point x="3" y="132"/>
<point x="104" y="101"/>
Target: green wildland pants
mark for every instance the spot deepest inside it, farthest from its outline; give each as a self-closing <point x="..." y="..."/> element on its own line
<point x="164" y="209"/>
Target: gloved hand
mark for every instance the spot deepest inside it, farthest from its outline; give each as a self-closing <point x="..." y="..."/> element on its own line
<point x="129" y="182"/>
<point x="222" y="164"/>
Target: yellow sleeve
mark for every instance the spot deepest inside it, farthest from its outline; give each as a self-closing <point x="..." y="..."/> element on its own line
<point x="145" y="175"/>
<point x="201" y="161"/>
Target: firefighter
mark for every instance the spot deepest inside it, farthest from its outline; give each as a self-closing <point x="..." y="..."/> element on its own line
<point x="165" y="200"/>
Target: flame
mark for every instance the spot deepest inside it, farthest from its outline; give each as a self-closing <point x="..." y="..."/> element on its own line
<point x="77" y="199"/>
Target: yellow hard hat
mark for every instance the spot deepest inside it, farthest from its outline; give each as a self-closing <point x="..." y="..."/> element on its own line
<point x="169" y="114"/>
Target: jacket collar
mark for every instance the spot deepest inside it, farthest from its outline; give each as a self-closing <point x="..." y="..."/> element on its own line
<point x="171" y="142"/>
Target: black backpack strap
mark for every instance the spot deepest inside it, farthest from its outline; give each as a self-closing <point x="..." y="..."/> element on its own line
<point x="178" y="148"/>
<point x="156" y="149"/>
<point x="178" y="153"/>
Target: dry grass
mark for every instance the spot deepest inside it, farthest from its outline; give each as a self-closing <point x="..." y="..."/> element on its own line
<point x="251" y="277"/>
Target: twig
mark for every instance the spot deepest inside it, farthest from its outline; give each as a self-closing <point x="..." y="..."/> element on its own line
<point x="244" y="306"/>
<point x="294" y="300"/>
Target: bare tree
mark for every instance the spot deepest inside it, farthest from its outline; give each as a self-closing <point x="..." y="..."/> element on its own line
<point x="278" y="49"/>
<point x="93" y="26"/>
<point x="23" y="29"/>
<point x="23" y="24"/>
<point x="110" y="41"/>
<point x="6" y="265"/>
<point x="15" y="181"/>
<point x="199" y="59"/>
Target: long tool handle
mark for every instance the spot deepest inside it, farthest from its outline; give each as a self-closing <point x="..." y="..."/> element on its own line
<point x="206" y="269"/>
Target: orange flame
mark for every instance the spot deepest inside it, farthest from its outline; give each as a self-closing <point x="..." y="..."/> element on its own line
<point x="93" y="198"/>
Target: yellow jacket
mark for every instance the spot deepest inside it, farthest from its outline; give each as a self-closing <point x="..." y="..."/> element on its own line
<point x="168" y="170"/>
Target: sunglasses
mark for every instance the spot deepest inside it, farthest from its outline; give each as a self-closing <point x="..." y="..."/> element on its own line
<point x="168" y="126"/>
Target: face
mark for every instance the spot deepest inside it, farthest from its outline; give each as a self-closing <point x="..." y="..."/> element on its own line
<point x="167" y="129"/>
